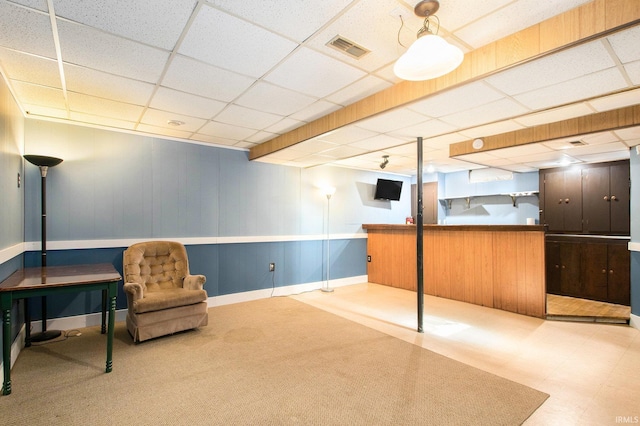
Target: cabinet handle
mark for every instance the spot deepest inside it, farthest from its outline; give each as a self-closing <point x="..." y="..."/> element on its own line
<point x="563" y="266"/>
<point x="604" y="271"/>
<point x="566" y="200"/>
<point x="560" y="201"/>
<point x="606" y="198"/>
<point x="611" y="271"/>
<point x="557" y="266"/>
<point x="614" y="198"/>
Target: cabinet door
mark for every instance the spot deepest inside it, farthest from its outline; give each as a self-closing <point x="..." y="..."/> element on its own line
<point x="563" y="200"/>
<point x="570" y="284"/>
<point x="553" y="263"/>
<point x="594" y="271"/>
<point x="619" y="198"/>
<point x="619" y="262"/>
<point x="596" y="200"/>
<point x="429" y="202"/>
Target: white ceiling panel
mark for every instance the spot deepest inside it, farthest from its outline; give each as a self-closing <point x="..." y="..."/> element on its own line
<point x="194" y="77"/>
<point x="186" y="103"/>
<point x="260" y="137"/>
<point x="284" y="125"/>
<point x="291" y="19"/>
<point x="633" y="71"/>
<point x="507" y="20"/>
<point x="155" y="130"/>
<point x="343" y="151"/>
<point x="315" y="110"/>
<point x="581" y="151"/>
<point x="555" y="114"/>
<point x="600" y="138"/>
<point x="314" y="74"/>
<point x="79" y="102"/>
<point x="359" y="90"/>
<point x="103" y="121"/>
<point x="44" y="111"/>
<point x="157" y="118"/>
<point x="247" y="117"/>
<point x="234" y="51"/>
<point x="215" y="140"/>
<point x="347" y="135"/>
<point x="26" y="30"/>
<point x="314" y="145"/>
<point x="625" y="45"/>
<point x="36" y="4"/>
<point x="162" y="26"/>
<point x="551" y="70"/>
<point x="520" y="151"/>
<point x="92" y="48"/>
<point x="39" y="95"/>
<point x="456" y="15"/>
<point x="618" y="100"/>
<point x="30" y="68"/>
<point x="392" y="120"/>
<point x="274" y="99"/>
<point x="632" y="133"/>
<point x="494" y="111"/>
<point x="492" y="129"/>
<point x="226" y="131"/>
<point x="378" y="142"/>
<point x="456" y="100"/>
<point x="605" y="156"/>
<point x="579" y="89"/>
<point x="109" y="86"/>
<point x="426" y="129"/>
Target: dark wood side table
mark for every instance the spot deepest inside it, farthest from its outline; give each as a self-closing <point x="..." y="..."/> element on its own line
<point x="41" y="281"/>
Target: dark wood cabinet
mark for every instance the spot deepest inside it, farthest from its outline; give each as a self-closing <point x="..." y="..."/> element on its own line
<point x="589" y="199"/>
<point x="429" y="202"/>
<point x="588" y="268"/>
<point x="605" y="198"/>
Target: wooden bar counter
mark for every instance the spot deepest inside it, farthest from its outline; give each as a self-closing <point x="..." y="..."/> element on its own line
<point x="498" y="266"/>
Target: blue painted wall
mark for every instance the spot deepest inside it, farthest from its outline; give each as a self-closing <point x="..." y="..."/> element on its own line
<point x="114" y="186"/>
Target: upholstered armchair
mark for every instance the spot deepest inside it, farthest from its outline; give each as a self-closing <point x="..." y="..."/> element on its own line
<point x="162" y="297"/>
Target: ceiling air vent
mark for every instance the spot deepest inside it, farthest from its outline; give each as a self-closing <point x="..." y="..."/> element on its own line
<point x="577" y="143"/>
<point x="350" y="48"/>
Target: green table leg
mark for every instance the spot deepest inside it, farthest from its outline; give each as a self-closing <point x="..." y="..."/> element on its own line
<point x="112" y="321"/>
<point x="6" y="344"/>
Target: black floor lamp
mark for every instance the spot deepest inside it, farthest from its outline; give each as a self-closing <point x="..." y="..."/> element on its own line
<point x="44" y="162"/>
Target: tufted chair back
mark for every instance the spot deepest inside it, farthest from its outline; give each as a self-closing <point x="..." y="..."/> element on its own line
<point x="156" y="265"/>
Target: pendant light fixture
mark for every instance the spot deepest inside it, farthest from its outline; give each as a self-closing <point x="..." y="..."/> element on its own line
<point x="430" y="56"/>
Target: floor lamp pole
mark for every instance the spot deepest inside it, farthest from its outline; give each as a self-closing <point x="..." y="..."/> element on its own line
<point x="329" y="193"/>
<point x="43" y="163"/>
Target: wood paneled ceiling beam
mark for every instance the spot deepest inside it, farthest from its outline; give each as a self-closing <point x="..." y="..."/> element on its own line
<point x="573" y="127"/>
<point x="587" y="22"/>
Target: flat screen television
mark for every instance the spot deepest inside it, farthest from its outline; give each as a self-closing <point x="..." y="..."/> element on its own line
<point x="388" y="189"/>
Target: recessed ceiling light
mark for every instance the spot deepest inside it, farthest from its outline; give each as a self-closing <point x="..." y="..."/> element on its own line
<point x="175" y="123"/>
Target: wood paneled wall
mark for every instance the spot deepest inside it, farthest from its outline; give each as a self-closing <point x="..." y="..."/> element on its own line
<point x="500" y="267"/>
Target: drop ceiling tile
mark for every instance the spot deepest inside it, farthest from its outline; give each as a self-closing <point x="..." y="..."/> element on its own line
<point x="226" y="131"/>
<point x="546" y="160"/>
<point x="618" y="100"/>
<point x="213" y="140"/>
<point x="108" y="86"/>
<point x="180" y="102"/>
<point x="247" y="117"/>
<point x="284" y="125"/>
<point x="519" y="168"/>
<point x="629" y="133"/>
<point x="314" y="74"/>
<point x="103" y="107"/>
<point x="158" y="118"/>
<point x="39" y="95"/>
<point x="443" y="142"/>
<point x="26" y="30"/>
<point x="581" y="88"/>
<point x="194" y="77"/>
<point x="261" y="137"/>
<point x="605" y="156"/>
<point x="239" y="46"/>
<point x="457" y="14"/>
<point x="314" y="145"/>
<point x="409" y="149"/>
<point x="625" y="44"/>
<point x="492" y="129"/>
<point x="426" y="129"/>
<point x="494" y="111"/>
<point x="30" y="68"/>
<point x="274" y="99"/>
<point x="296" y="20"/>
<point x="580" y="151"/>
<point x="343" y="151"/>
<point x="521" y="151"/>
<point x="392" y="120"/>
<point x="347" y="135"/>
<point x="480" y="157"/>
<point x="359" y="90"/>
<point x="633" y="71"/>
<point x="378" y="142"/>
<point x="459" y="99"/>
<point x="516" y="16"/>
<point x="551" y="70"/>
<point x="163" y="131"/>
<point x="161" y="27"/>
<point x="554" y="115"/>
<point x="286" y="154"/>
<point x="102" y="121"/>
<point x="95" y="49"/>
<point x="315" y="110"/>
<point x="35" y="4"/>
<point x="32" y="110"/>
<point x="600" y="138"/>
<point x="245" y="145"/>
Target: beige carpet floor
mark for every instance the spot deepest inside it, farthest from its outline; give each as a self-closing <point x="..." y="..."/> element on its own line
<point x="274" y="361"/>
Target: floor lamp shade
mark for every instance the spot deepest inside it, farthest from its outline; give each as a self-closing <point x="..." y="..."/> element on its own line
<point x="44" y="163"/>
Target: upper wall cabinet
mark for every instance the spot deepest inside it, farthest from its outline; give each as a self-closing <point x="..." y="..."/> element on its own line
<point x="590" y="199"/>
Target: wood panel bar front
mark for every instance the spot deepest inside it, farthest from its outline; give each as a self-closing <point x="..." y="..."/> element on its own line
<point x="498" y="266"/>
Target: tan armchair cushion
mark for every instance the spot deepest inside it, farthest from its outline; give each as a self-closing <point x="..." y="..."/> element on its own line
<point x="168" y="298"/>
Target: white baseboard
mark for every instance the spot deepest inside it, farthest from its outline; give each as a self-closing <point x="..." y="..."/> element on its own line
<point x="634" y="321"/>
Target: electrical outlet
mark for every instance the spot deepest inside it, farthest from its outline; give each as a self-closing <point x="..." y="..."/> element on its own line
<point x="272" y="267"/>
<point x="369" y="258"/>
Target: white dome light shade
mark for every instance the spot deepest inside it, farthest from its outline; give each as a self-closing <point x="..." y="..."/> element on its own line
<point x="430" y="56"/>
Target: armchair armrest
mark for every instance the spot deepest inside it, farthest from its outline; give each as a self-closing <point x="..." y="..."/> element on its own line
<point x="134" y="290"/>
<point x="194" y="282"/>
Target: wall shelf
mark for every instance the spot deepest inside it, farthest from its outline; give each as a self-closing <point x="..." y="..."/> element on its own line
<point x="513" y="195"/>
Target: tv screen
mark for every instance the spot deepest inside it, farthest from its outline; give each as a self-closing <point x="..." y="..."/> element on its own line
<point x="388" y="189"/>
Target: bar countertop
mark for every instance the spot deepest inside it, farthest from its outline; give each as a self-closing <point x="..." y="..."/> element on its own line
<point x="501" y="228"/>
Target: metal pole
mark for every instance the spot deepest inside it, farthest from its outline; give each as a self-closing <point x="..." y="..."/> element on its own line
<point x="419" y="238"/>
